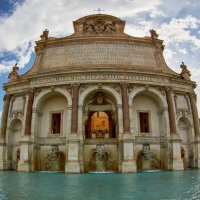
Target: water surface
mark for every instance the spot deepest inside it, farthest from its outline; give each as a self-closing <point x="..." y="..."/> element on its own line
<point x="181" y="185"/>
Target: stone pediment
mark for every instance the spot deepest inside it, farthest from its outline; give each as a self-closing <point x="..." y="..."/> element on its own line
<point x="99" y="25"/>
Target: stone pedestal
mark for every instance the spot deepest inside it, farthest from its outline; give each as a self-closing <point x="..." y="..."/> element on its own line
<point x="3" y="163"/>
<point x="177" y="162"/>
<point x="197" y="152"/>
<point x="128" y="163"/>
<point x="72" y="165"/>
<point x="25" y="164"/>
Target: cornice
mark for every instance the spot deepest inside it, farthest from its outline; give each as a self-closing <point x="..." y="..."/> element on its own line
<point x="53" y="42"/>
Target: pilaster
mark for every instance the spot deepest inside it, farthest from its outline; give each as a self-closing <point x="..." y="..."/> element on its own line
<point x="176" y="163"/>
<point x="129" y="162"/>
<point x="3" y="162"/>
<point x="197" y="152"/>
<point x="72" y="165"/>
<point x="25" y="162"/>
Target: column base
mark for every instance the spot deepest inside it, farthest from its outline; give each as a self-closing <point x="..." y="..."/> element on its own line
<point x="197" y="163"/>
<point x="128" y="167"/>
<point x="24" y="166"/>
<point x="72" y="167"/>
<point x="3" y="165"/>
<point x="177" y="165"/>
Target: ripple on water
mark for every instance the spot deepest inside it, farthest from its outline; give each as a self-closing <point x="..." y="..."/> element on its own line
<point x="160" y="185"/>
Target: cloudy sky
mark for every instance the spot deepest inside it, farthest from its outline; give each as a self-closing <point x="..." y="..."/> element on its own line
<point x="176" y="21"/>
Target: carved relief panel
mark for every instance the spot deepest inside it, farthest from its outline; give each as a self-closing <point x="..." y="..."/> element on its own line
<point x="18" y="104"/>
<point x="99" y="26"/>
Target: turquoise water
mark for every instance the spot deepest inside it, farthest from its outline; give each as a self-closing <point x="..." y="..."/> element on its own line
<point x="184" y="185"/>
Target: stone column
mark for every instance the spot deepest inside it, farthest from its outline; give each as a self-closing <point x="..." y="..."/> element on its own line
<point x="128" y="162"/>
<point x="174" y="141"/>
<point x="29" y="113"/>
<point x="194" y="113"/>
<point x="25" y="163"/>
<point x="72" y="163"/>
<point x="172" y="121"/>
<point x="196" y="127"/>
<point x="125" y="106"/>
<point x="4" y="119"/>
<point x="74" y="121"/>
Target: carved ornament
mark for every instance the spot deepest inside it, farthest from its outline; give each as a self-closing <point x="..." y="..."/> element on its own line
<point x="98" y="26"/>
<point x="13" y="75"/>
<point x="185" y="74"/>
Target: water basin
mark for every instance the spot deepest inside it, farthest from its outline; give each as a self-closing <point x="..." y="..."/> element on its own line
<point x="160" y="185"/>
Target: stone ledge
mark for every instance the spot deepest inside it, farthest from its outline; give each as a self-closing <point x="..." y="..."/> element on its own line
<point x="129" y="166"/>
<point x="72" y="167"/>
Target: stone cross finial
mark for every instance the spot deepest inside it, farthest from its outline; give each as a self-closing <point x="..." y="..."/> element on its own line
<point x="185" y="74"/>
<point x="13" y="75"/>
<point x="99" y="10"/>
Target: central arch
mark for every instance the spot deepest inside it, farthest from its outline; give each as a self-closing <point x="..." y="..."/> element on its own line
<point x="99" y="110"/>
<point x="99" y="117"/>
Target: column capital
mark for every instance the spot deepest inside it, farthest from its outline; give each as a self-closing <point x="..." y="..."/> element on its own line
<point x="168" y="89"/>
<point x="192" y="95"/>
<point x="31" y="90"/>
<point x="76" y="84"/>
<point x="124" y="84"/>
<point x="7" y="97"/>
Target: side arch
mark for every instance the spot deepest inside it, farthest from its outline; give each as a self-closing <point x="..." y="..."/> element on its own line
<point x="156" y="93"/>
<point x="65" y="93"/>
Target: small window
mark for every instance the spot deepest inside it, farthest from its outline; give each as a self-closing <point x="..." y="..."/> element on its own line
<point x="144" y="122"/>
<point x="56" y="123"/>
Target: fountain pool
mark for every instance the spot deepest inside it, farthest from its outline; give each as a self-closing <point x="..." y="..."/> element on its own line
<point x="159" y="185"/>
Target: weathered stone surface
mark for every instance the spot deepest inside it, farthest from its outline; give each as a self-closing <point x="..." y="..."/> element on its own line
<point x="98" y="54"/>
<point x="150" y="118"/>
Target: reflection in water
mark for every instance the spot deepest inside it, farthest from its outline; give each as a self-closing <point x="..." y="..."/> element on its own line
<point x="184" y="185"/>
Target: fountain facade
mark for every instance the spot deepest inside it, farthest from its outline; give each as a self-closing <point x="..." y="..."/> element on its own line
<point x="53" y="160"/>
<point x="100" y="161"/>
<point x="147" y="159"/>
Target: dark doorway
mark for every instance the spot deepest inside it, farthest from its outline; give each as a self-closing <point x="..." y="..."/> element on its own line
<point x="100" y="125"/>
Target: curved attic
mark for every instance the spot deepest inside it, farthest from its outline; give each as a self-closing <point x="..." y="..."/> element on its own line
<point x="99" y="43"/>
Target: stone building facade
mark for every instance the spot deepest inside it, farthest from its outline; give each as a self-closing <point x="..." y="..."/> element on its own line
<point x="99" y="100"/>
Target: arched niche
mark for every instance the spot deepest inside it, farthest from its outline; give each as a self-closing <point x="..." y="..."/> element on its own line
<point x="187" y="138"/>
<point x="14" y="136"/>
<point x="52" y="115"/>
<point x="149" y="123"/>
<point x="148" y="117"/>
<point x="98" y="103"/>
